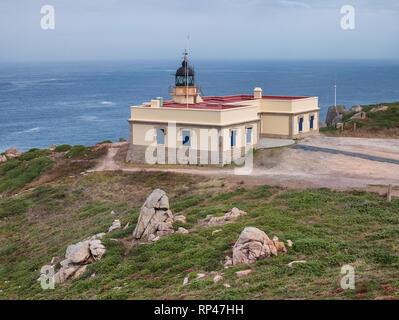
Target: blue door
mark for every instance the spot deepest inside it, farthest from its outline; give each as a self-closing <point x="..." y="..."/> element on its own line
<point x="300" y="124"/>
<point x="311" y="122"/>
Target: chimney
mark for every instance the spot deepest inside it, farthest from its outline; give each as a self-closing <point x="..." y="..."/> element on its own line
<point x="155" y="103"/>
<point x="257" y="93"/>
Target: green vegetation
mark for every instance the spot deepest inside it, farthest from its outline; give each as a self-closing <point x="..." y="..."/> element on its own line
<point x="16" y="173"/>
<point x="63" y="148"/>
<point x="77" y="151"/>
<point x="105" y="141"/>
<point x="379" y="124"/>
<point x="379" y="119"/>
<point x="329" y="229"/>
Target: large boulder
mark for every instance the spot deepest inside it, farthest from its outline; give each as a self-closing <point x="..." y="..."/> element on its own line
<point x="381" y="108"/>
<point x="77" y="257"/>
<point x="253" y="245"/>
<point x="78" y="253"/>
<point x="356" y="108"/>
<point x="155" y="217"/>
<point x="334" y="114"/>
<point x="360" y="115"/>
<point x="13" y="152"/>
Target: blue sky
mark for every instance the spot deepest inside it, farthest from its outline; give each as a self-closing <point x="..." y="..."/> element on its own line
<point x="219" y="29"/>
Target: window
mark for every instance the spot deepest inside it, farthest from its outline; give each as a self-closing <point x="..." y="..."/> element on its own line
<point x="249" y="135"/>
<point x="300" y="124"/>
<point x="233" y="138"/>
<point x="186" y="138"/>
<point x="160" y="136"/>
<point x="311" y="122"/>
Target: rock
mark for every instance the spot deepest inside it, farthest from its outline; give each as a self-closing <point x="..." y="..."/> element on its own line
<point x="185" y="281"/>
<point x="153" y="214"/>
<point x="292" y="263"/>
<point x="52" y="147"/>
<point x="201" y="275"/>
<point x="3" y="159"/>
<point x="13" y="152"/>
<point x="97" y="249"/>
<point x="78" y="253"/>
<point x="115" y="225"/>
<point x="334" y="114"/>
<point x="243" y="273"/>
<point x="211" y="221"/>
<point x="217" y="278"/>
<point x="52" y="261"/>
<point x="125" y="227"/>
<point x="180" y="218"/>
<point x="182" y="230"/>
<point x="381" y="108"/>
<point x="228" y="262"/>
<point x="360" y="115"/>
<point x="356" y="108"/>
<point x="280" y="246"/>
<point x="78" y="256"/>
<point x="216" y="231"/>
<point x="322" y="124"/>
<point x="227" y="285"/>
<point x="252" y="245"/>
<point x="122" y="140"/>
<point x="289" y="243"/>
<point x="112" y="212"/>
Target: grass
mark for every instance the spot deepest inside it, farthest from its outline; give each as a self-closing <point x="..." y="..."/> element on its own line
<point x="16" y="173"/>
<point x="329" y="229"/>
<point x="380" y="123"/>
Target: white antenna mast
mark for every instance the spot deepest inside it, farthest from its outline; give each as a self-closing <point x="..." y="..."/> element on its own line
<point x="335" y="93"/>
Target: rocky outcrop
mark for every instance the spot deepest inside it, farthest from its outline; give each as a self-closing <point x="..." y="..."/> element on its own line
<point x="211" y="220"/>
<point x="13" y="153"/>
<point x="356" y="108"/>
<point x="52" y="147"/>
<point x="360" y="115"/>
<point x="253" y="245"/>
<point x="115" y="225"/>
<point x="155" y="218"/>
<point x="381" y="108"/>
<point x="3" y="159"/>
<point x="78" y="256"/>
<point x="334" y="114"/>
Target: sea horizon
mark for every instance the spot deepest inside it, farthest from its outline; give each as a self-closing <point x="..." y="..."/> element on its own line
<point x="85" y="102"/>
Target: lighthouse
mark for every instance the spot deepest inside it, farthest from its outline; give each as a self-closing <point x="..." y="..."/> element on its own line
<point x="185" y="91"/>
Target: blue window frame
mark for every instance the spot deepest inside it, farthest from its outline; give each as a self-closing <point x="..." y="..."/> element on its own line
<point x="233" y="138"/>
<point x="160" y="136"/>
<point x="311" y="122"/>
<point x="300" y="124"/>
<point x="249" y="135"/>
<point x="186" y="138"/>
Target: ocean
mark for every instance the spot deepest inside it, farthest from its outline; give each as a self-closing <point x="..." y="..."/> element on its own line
<point x="88" y="102"/>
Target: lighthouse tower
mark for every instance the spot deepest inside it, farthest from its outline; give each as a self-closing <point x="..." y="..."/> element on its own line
<point x="185" y="91"/>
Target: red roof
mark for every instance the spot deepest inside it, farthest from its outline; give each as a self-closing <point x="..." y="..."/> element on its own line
<point x="221" y="103"/>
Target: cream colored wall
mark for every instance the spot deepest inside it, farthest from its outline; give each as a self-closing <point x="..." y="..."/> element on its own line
<point x="140" y="131"/>
<point x="289" y="106"/>
<point x="195" y="116"/>
<point x="273" y="124"/>
<point x="306" y="122"/>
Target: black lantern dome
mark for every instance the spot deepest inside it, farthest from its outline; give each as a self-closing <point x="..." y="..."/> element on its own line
<point x="185" y="75"/>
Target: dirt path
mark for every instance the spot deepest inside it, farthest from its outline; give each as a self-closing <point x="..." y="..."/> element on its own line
<point x="300" y="168"/>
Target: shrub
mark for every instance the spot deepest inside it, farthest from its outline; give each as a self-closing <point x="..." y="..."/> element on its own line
<point x="77" y="151"/>
<point x="63" y="148"/>
<point x="17" y="174"/>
